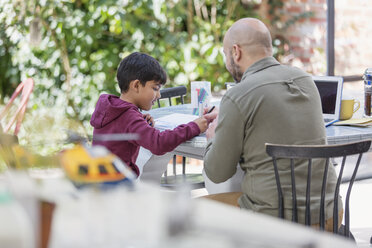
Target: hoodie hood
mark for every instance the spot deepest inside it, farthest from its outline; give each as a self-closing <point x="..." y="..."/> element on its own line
<point x="108" y="108"/>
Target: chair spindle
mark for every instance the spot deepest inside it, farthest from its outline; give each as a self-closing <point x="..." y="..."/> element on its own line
<point x="279" y="188"/>
<point x="294" y="197"/>
<point x="308" y="186"/>
<point x="322" y="198"/>
<point x="337" y="191"/>
<point x="347" y="208"/>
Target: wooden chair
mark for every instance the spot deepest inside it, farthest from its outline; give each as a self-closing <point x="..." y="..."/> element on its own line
<point x="26" y="88"/>
<point x="193" y="180"/>
<point x="309" y="152"/>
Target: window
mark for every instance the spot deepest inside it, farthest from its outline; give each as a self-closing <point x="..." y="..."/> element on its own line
<point x="102" y="169"/>
<point x="83" y="170"/>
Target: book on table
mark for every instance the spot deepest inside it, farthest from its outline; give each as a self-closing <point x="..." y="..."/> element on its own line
<point x="173" y="120"/>
<point x="361" y="122"/>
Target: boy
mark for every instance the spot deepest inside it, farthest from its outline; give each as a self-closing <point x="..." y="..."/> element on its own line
<point x="140" y="77"/>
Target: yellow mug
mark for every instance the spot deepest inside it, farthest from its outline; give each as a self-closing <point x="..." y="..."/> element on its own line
<point x="348" y="108"/>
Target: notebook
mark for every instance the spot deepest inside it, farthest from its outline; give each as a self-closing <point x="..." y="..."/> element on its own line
<point x="173" y="120"/>
<point x="330" y="90"/>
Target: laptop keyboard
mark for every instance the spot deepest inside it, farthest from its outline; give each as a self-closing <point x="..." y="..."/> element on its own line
<point x="328" y="122"/>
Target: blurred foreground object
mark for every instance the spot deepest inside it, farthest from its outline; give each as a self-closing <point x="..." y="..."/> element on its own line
<point x="151" y="217"/>
<point x="19" y="158"/>
<point x="16" y="227"/>
<point x="82" y="164"/>
<point x="26" y="88"/>
<point x="92" y="165"/>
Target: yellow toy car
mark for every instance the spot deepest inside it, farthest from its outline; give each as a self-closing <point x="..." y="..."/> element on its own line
<point x="94" y="165"/>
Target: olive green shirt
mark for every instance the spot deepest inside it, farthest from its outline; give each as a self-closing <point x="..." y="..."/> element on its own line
<point x="277" y="104"/>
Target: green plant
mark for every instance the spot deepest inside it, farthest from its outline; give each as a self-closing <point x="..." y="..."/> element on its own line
<point x="72" y="49"/>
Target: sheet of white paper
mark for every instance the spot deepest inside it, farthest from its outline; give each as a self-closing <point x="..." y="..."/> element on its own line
<point x="173" y="120"/>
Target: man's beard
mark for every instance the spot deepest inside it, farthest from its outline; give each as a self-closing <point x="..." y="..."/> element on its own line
<point x="235" y="73"/>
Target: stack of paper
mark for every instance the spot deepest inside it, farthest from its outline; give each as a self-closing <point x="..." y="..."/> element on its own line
<point x="173" y="120"/>
<point x="363" y="122"/>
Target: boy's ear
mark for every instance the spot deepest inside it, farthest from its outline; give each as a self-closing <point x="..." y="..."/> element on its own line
<point x="134" y="85"/>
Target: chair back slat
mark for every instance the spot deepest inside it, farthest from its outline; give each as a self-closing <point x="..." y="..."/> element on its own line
<point x="308" y="187"/>
<point x="322" y="197"/>
<point x="335" y="198"/>
<point x="310" y="152"/>
<point x="279" y="188"/>
<point x="294" y="197"/>
<point x="347" y="210"/>
<point x="317" y="151"/>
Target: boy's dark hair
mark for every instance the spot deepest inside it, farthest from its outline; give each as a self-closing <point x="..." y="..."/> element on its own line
<point x="139" y="66"/>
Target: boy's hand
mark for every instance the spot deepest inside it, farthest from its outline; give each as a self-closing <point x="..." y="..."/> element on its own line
<point x="149" y="119"/>
<point x="202" y="123"/>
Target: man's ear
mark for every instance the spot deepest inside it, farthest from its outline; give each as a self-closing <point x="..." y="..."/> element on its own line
<point x="134" y="85"/>
<point x="236" y="52"/>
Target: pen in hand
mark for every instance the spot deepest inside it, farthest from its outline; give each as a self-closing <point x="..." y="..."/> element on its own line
<point x="148" y="120"/>
<point x="210" y="111"/>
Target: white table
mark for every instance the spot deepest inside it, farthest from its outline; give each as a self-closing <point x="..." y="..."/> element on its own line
<point x="154" y="166"/>
<point x="147" y="216"/>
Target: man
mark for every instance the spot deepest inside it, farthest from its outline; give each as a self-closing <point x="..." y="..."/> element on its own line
<point x="271" y="103"/>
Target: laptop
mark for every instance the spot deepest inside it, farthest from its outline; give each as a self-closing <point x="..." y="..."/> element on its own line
<point x="330" y="90"/>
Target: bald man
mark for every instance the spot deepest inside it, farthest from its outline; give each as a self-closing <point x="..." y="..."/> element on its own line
<point x="271" y="103"/>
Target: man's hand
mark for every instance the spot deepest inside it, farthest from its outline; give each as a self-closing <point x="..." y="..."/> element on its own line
<point x="210" y="116"/>
<point x="211" y="129"/>
<point x="149" y="119"/>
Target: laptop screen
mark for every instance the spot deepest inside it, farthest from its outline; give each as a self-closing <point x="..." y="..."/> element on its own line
<point x="328" y="95"/>
<point x="330" y="90"/>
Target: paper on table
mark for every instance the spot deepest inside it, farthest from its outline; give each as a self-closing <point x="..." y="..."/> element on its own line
<point x="363" y="122"/>
<point x="173" y="120"/>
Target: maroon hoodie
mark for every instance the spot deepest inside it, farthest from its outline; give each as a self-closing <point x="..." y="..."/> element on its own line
<point x="113" y="115"/>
